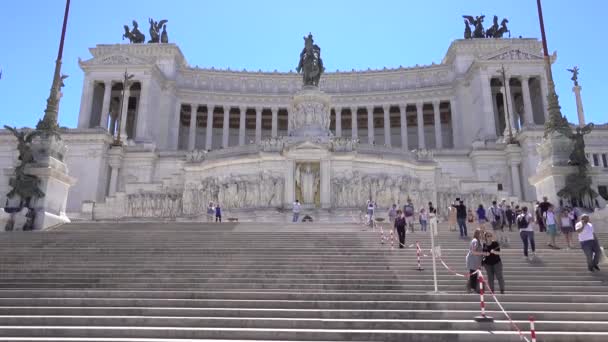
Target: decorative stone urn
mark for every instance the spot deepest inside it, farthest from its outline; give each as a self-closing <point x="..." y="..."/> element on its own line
<point x="311" y="109"/>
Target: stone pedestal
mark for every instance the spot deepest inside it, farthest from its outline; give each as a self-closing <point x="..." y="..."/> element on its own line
<point x="54" y="182"/>
<point x="553" y="167"/>
<point x="310" y="114"/>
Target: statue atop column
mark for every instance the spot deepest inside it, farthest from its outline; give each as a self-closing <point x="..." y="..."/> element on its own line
<point x="311" y="64"/>
<point x="574" y="72"/>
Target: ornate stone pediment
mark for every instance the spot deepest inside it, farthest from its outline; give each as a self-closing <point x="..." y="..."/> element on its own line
<point x="514" y="54"/>
<point x="115" y="59"/>
<point x="309" y="145"/>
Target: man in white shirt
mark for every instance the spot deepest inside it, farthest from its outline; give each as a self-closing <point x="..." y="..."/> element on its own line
<point x="296" y="211"/>
<point x="589" y="244"/>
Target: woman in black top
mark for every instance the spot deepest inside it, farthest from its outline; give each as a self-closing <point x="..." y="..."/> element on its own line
<point x="492" y="262"/>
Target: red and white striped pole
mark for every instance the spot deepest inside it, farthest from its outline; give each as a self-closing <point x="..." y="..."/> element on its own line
<point x="532" y="330"/>
<point x="381" y="235"/>
<point x="418" y="256"/>
<point x="482" y="303"/>
<point x="392" y="239"/>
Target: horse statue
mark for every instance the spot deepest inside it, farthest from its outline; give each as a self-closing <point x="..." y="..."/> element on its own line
<point x="491" y="32"/>
<point x="477" y="22"/>
<point x="311" y="63"/>
<point x="135" y="36"/>
<point x="503" y="28"/>
<point x="155" y="27"/>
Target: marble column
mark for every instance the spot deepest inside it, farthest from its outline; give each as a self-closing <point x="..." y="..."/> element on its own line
<point x="489" y="102"/>
<point x="192" y="128"/>
<point x="355" y="130"/>
<point x="226" y="127"/>
<point x="387" y="125"/>
<point x="543" y="92"/>
<point x="403" y="121"/>
<point x="528" y="112"/>
<point x="510" y="107"/>
<point x="338" y="121"/>
<point x="209" y="131"/>
<point x="290" y="196"/>
<point x="105" y="109"/>
<point x="515" y="180"/>
<point x="437" y="120"/>
<point x="141" y="119"/>
<point x="579" y="105"/>
<point x="177" y="122"/>
<point x="242" y="115"/>
<point x="86" y="104"/>
<point x="370" y="126"/>
<point x="454" y="117"/>
<point x="275" y="121"/>
<point x="123" y="119"/>
<point x="420" y="124"/>
<point x="258" y="125"/>
<point x="325" y="183"/>
<point x="113" y="180"/>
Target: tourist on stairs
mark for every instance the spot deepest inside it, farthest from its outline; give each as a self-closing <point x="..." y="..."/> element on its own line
<point x="296" y="211"/>
<point x="423" y="217"/>
<point x="566" y="226"/>
<point x="218" y="213"/>
<point x="492" y="262"/>
<point x="392" y="214"/>
<point x="481" y="216"/>
<point x="461" y="218"/>
<point x="400" y="227"/>
<point x="496" y="219"/>
<point x="474" y="258"/>
<point x="408" y="211"/>
<point x="510" y="214"/>
<point x="526" y="232"/>
<point x="433" y="219"/>
<point x="452" y="217"/>
<point x="589" y="243"/>
<point x="551" y="224"/>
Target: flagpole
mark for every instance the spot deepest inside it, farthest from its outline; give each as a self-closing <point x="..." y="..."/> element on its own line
<point x="555" y="121"/>
<point x="48" y="123"/>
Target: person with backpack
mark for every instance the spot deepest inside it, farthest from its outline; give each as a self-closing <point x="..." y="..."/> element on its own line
<point x="408" y="212"/>
<point x="526" y="232"/>
<point x="481" y="216"/>
<point x="474" y="258"/>
<point x="510" y="214"/>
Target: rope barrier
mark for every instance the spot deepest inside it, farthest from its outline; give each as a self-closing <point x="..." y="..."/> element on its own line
<point x="418" y="256"/>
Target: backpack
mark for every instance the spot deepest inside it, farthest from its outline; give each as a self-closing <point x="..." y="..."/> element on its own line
<point x="522" y="222"/>
<point x="409" y="210"/>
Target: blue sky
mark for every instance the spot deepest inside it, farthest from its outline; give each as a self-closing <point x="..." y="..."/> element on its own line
<point x="267" y="35"/>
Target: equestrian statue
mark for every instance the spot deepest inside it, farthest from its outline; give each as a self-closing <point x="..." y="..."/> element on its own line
<point x="311" y="64"/>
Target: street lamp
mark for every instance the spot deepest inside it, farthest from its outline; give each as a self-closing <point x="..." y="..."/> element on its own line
<point x="125" y="84"/>
<point x="509" y="139"/>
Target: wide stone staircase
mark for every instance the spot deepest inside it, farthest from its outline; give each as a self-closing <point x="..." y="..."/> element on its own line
<point x="155" y="281"/>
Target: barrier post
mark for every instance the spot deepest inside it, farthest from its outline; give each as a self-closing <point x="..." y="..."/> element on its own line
<point x="483" y="317"/>
<point x="532" y="330"/>
<point x="418" y="256"/>
<point x="434" y="262"/>
<point x="381" y="234"/>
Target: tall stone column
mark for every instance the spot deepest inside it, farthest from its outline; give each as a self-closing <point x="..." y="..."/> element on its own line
<point x="123" y="119"/>
<point x="142" y="120"/>
<point x="543" y="92"/>
<point x="177" y="124"/>
<point x="420" y="122"/>
<point x="258" y="125"/>
<point x="325" y="183"/>
<point x="105" y="109"/>
<point x="209" y="131"/>
<point x="226" y="127"/>
<point x="437" y="120"/>
<point x="387" y="125"/>
<point x="489" y="103"/>
<point x="86" y="104"/>
<point x="528" y="112"/>
<point x="510" y="109"/>
<point x="355" y="130"/>
<point x="579" y="105"/>
<point x="514" y="159"/>
<point x="455" y="117"/>
<point x="242" y="115"/>
<point x="275" y="121"/>
<point x="403" y="121"/>
<point x="192" y="128"/>
<point x="290" y="171"/>
<point x="370" y="125"/>
<point x="115" y="156"/>
<point x="338" y="121"/>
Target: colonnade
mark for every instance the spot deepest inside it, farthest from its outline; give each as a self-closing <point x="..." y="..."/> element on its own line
<point x="190" y="112"/>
